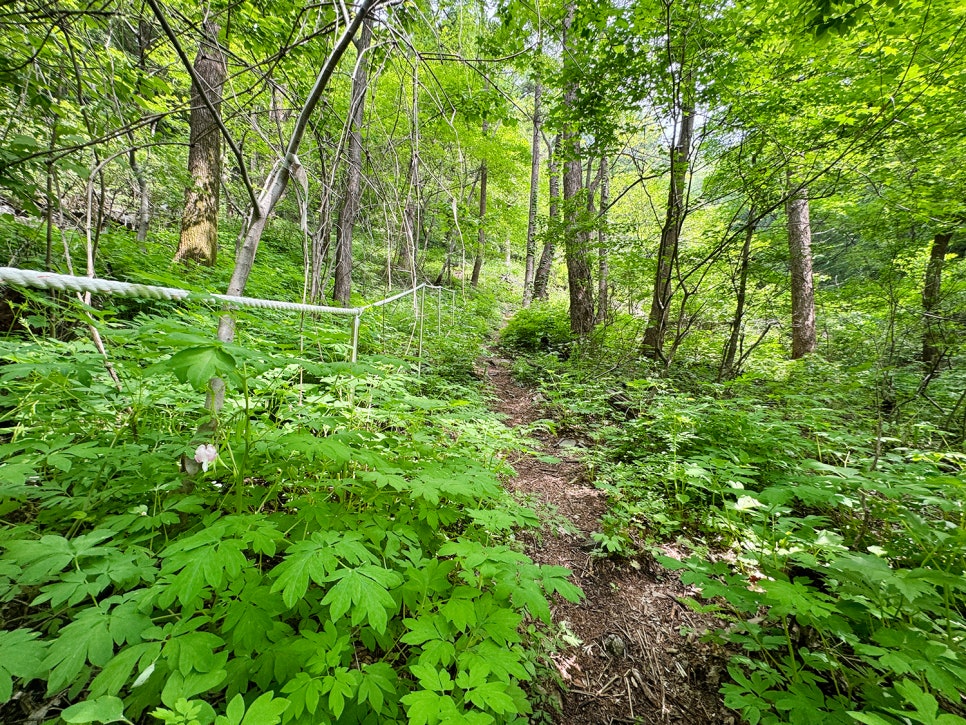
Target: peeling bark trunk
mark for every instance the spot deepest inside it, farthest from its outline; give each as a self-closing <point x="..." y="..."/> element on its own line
<point x="529" y="271"/>
<point x="932" y="336"/>
<point x="199" y="221"/>
<point x="542" y="276"/>
<point x="804" y="339"/>
<point x="667" y="255"/>
<point x="342" y="286"/>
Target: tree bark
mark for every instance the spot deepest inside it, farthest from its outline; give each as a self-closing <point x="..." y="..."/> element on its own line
<point x="932" y="336"/>
<point x="579" y="279"/>
<point x="412" y="213"/>
<point x="277" y="181"/>
<point x="342" y="286"/>
<point x="727" y="369"/>
<point x="667" y="254"/>
<point x="804" y="339"/>
<point x="529" y="271"/>
<point x="144" y="205"/>
<point x="481" y="231"/>
<point x="199" y="220"/>
<point x="541" y="278"/>
<point x="49" y="213"/>
<point x="603" y="270"/>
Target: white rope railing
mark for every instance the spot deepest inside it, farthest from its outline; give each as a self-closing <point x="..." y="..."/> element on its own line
<point x="70" y="283"/>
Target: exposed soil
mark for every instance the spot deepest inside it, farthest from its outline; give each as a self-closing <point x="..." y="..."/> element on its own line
<point x="634" y="665"/>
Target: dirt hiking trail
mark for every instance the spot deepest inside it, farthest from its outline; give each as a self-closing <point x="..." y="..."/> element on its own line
<point x="633" y="665"/>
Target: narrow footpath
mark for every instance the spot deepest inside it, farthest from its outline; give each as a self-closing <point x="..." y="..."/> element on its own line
<point x="632" y="664"/>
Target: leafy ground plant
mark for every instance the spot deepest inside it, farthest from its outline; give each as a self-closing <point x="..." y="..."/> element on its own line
<point x="833" y="558"/>
<point x="341" y="558"/>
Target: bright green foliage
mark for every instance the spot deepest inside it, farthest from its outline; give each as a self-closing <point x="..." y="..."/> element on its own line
<point x="344" y="559"/>
<point x="538" y="328"/>
<point x="832" y="555"/>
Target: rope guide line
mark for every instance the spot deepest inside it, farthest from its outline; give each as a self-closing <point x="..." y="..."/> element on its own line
<point x="70" y="283"/>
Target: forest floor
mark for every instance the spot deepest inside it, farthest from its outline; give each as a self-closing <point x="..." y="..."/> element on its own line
<point x="632" y="664"/>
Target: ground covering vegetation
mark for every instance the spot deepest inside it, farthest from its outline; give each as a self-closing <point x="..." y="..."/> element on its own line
<point x="818" y="504"/>
<point x="345" y="554"/>
<point x="727" y="239"/>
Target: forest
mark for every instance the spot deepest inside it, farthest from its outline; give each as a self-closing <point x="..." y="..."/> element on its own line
<point x="482" y="361"/>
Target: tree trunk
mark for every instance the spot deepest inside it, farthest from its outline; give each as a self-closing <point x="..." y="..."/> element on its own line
<point x="667" y="254"/>
<point x="603" y="271"/>
<point x="541" y="278"/>
<point x="579" y="279"/>
<point x="277" y="181"/>
<point x="144" y="206"/>
<point x="342" y="287"/>
<point x="529" y="271"/>
<point x="481" y="232"/>
<point x="932" y="336"/>
<point x="727" y="369"/>
<point x="49" y="214"/>
<point x="199" y="221"/>
<point x="804" y="339"/>
<point x="412" y="212"/>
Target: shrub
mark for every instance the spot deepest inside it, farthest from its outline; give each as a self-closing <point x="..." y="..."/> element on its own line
<point x="540" y="328"/>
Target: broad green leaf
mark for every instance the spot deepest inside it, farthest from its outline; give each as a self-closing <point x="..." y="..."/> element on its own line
<point x="104" y="709"/>
<point x="266" y="710"/>
<point x="492" y="696"/>
<point x="198" y="365"/>
<point x="85" y="640"/>
<point x="363" y="589"/>
<point x="432" y="678"/>
<point x="870" y="718"/>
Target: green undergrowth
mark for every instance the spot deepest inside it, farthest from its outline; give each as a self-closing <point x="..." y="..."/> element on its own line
<point x="347" y="556"/>
<point x="827" y="530"/>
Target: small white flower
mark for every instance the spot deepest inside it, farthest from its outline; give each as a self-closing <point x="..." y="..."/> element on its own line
<point x="205" y="454"/>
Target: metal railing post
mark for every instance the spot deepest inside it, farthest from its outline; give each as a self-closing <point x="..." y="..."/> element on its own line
<point x="439" y="311"/>
<point x="356" y="321"/>
<point x="422" y="314"/>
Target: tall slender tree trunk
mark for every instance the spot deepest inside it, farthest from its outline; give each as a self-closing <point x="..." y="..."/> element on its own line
<point x="342" y="285"/>
<point x="667" y="254"/>
<point x="199" y="221"/>
<point x="412" y="211"/>
<point x="579" y="280"/>
<point x="932" y="336"/>
<point x="145" y="35"/>
<point x="804" y="340"/>
<point x="529" y="271"/>
<point x="144" y="205"/>
<point x="277" y="181"/>
<point x="49" y="213"/>
<point x="541" y="278"/>
<point x="603" y="270"/>
<point x="727" y="369"/>
<point x="481" y="231"/>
